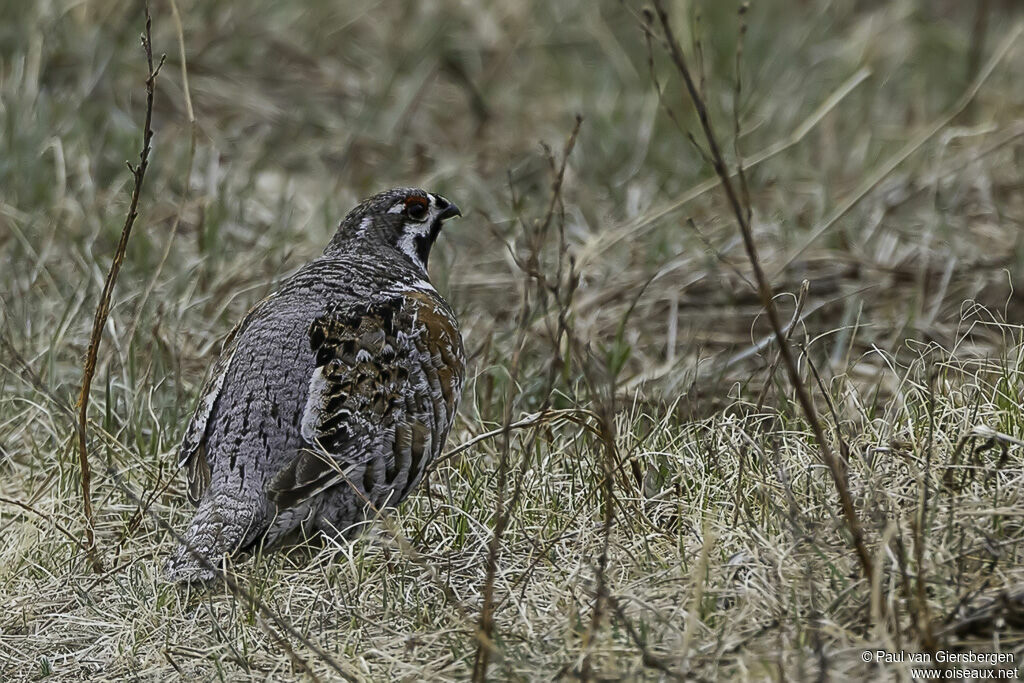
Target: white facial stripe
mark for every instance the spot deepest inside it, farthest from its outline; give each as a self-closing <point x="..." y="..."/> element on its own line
<point x="407" y="243"/>
<point x="411" y="230"/>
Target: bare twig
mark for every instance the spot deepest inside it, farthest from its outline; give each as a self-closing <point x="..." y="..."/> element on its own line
<point x="193" y="134"/>
<point x="649" y="37"/>
<point x="800" y="300"/>
<point x="531" y="268"/>
<point x="247" y="597"/>
<point x="57" y="525"/>
<point x="836" y="468"/>
<point x="103" y="308"/>
<point x="609" y="455"/>
<point x="485" y="627"/>
<point x="737" y="93"/>
<point x="548" y="416"/>
<point x="649" y="658"/>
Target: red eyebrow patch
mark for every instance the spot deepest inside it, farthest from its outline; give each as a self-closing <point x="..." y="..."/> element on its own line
<point x="416" y="199"/>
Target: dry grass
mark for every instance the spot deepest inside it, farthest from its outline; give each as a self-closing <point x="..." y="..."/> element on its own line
<point x="726" y="554"/>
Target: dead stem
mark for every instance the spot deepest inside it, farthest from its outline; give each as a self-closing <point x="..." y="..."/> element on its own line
<point x="836" y="469"/>
<point x="103" y="307"/>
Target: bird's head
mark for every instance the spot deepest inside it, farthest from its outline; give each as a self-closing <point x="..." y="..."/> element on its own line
<point x="406" y="220"/>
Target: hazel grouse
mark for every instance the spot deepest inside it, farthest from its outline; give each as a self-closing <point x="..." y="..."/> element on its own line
<point x="331" y="396"/>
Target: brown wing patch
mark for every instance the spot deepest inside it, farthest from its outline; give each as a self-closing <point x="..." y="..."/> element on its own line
<point x="440" y="339"/>
<point x="357" y="383"/>
<point x="387" y="377"/>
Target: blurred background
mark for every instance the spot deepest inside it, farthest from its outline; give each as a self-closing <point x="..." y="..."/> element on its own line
<point x="303" y="108"/>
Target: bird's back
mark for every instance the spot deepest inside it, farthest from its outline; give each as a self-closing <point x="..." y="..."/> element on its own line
<point x="254" y="428"/>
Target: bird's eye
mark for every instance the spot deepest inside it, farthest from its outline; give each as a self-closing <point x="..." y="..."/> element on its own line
<point x="416" y="208"/>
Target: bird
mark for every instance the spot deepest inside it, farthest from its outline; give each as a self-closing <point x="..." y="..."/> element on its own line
<point x="330" y="397"/>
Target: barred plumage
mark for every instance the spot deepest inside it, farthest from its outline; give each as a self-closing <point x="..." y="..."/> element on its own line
<point x="331" y="396"/>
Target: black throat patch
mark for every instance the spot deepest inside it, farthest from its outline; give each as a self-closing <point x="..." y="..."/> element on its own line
<point x="423" y="243"/>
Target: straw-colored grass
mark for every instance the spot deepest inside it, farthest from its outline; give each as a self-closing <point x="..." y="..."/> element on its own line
<point x="883" y="146"/>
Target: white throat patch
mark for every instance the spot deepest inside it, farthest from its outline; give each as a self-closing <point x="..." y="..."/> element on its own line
<point x="413" y="231"/>
<point x="407" y="243"/>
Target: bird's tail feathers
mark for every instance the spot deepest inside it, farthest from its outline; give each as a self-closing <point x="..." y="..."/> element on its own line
<point x="221" y="528"/>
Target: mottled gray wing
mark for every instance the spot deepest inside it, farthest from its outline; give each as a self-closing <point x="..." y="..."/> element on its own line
<point x="376" y="395"/>
<point x="192" y="451"/>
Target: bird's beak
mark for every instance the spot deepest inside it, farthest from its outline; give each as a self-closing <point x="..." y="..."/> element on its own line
<point x="449" y="211"/>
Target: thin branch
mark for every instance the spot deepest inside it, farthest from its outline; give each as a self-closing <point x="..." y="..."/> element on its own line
<point x="800" y="300"/>
<point x="737" y="93"/>
<point x="649" y="37"/>
<point x="767" y="297"/>
<point x="609" y="454"/>
<point x="103" y="308"/>
<point x="531" y="268"/>
<point x="485" y="627"/>
<point x="57" y="525"/>
<point x="193" y="134"/>
<point x="250" y="600"/>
